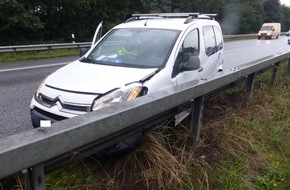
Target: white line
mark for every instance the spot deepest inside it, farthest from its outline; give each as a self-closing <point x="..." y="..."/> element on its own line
<point x="33" y="67"/>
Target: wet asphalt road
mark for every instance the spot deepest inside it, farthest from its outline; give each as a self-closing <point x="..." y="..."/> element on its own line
<point x="18" y="82"/>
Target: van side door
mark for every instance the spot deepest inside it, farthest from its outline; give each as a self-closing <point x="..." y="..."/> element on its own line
<point x="212" y="51"/>
<point x="187" y="62"/>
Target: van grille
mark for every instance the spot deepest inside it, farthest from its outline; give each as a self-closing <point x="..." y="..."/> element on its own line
<point x="48" y="102"/>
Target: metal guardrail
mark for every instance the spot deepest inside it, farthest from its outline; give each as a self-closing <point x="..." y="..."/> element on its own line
<point x="246" y="35"/>
<point x="6" y="49"/>
<point x="102" y="128"/>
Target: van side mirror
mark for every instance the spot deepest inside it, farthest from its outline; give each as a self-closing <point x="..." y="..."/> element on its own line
<point x="193" y="63"/>
<point x="83" y="51"/>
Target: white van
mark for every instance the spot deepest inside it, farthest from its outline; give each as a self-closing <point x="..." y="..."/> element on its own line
<point x="269" y="30"/>
<point x="145" y="54"/>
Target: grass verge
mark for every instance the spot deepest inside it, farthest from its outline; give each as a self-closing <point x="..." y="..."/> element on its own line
<point x="29" y="55"/>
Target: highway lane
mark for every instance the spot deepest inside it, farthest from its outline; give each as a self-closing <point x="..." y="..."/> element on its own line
<point x="242" y="52"/>
<point x="19" y="80"/>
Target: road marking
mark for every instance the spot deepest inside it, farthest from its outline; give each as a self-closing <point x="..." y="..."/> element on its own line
<point x="33" y="67"/>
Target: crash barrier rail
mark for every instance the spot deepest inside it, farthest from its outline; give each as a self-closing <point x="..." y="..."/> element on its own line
<point x="247" y="35"/>
<point x="29" y="152"/>
<point x="11" y="49"/>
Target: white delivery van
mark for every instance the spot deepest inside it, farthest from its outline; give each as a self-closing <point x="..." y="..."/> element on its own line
<point x="269" y="30"/>
<point x="145" y="54"/>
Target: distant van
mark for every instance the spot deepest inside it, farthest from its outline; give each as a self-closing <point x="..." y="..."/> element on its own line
<point x="269" y="30"/>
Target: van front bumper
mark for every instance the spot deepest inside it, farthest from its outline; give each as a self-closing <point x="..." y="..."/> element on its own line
<point x="37" y="115"/>
<point x="264" y="35"/>
<point x="123" y="147"/>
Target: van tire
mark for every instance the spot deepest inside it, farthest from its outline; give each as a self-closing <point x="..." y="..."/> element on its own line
<point x="277" y="36"/>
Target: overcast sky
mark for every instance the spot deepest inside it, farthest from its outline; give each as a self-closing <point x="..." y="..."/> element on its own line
<point x="286" y="2"/>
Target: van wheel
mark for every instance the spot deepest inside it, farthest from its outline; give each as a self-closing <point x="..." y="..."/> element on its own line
<point x="277" y="36"/>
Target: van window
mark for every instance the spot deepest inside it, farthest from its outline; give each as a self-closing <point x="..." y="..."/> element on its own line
<point x="189" y="47"/>
<point x="219" y="38"/>
<point x="213" y="39"/>
<point x="267" y="28"/>
<point x="209" y="40"/>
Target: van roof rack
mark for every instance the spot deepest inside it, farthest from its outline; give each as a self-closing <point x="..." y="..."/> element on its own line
<point x="189" y="16"/>
<point x="211" y="16"/>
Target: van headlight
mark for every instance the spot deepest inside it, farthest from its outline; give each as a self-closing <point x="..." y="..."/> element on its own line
<point x="37" y="93"/>
<point x="120" y="95"/>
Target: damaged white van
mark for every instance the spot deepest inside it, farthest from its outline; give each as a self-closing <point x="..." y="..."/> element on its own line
<point x="145" y="54"/>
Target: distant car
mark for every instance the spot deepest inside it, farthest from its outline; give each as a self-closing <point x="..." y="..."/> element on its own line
<point x="145" y="54"/>
<point x="288" y="33"/>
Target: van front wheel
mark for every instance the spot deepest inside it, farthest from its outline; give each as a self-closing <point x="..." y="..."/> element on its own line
<point x="277" y="36"/>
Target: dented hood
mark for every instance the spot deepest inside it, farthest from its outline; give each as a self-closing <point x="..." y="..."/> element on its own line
<point x="94" y="78"/>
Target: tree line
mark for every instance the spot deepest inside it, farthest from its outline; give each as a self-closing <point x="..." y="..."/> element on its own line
<point x="54" y="21"/>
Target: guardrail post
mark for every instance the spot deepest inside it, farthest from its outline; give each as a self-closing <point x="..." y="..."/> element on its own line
<point x="250" y="85"/>
<point x="35" y="178"/>
<point x="14" y="53"/>
<point x="274" y="74"/>
<point x="288" y="70"/>
<point x="196" y="119"/>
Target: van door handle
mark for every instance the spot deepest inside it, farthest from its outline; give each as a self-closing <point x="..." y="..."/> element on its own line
<point x="200" y="69"/>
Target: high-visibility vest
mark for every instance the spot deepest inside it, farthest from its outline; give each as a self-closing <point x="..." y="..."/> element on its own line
<point x="123" y="51"/>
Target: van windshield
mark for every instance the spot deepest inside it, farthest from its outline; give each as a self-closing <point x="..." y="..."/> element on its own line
<point x="267" y="28"/>
<point x="148" y="48"/>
